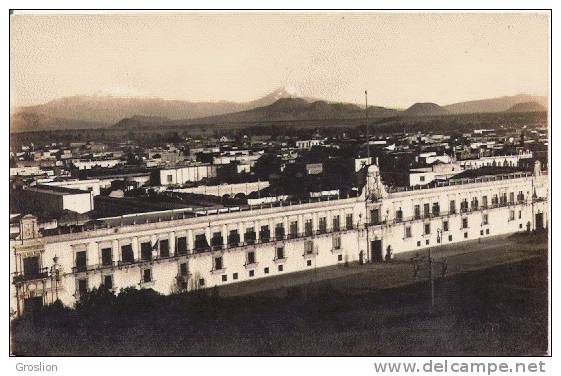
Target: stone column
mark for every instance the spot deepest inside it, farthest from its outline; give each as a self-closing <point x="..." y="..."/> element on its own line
<point x="134" y="245"/>
<point x="208" y="234"/>
<point x="224" y="235"/>
<point x="257" y="228"/>
<point x="93" y="254"/>
<point x="315" y="225"/>
<point x="171" y="242"/>
<point x="116" y="251"/>
<point x="189" y="241"/>
<point x="241" y="232"/>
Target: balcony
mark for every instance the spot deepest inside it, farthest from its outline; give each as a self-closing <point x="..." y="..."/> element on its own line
<point x="20" y="277"/>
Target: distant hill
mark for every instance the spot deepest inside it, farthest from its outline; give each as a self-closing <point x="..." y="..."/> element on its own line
<point x="527" y="107"/>
<point x="98" y="111"/>
<point x="425" y="109"/>
<point x="28" y="122"/>
<point x="104" y="110"/>
<point x="290" y="109"/>
<point x="138" y="122"/>
<point x="499" y="104"/>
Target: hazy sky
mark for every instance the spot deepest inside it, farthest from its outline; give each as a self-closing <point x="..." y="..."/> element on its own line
<point x="399" y="58"/>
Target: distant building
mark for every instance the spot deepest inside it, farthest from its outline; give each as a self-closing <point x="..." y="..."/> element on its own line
<point x="54" y="199"/>
<point x="184" y="174"/>
<point x="308" y="144"/>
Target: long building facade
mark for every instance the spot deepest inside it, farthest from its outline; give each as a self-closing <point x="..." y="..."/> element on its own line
<point x="174" y="253"/>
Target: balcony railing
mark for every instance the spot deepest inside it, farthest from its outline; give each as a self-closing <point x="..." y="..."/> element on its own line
<point x="463" y="211"/>
<point x="20" y="277"/>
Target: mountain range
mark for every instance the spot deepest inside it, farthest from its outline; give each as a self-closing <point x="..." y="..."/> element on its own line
<point x="81" y="112"/>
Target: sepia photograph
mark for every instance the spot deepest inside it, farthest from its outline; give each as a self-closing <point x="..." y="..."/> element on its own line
<point x="279" y="184"/>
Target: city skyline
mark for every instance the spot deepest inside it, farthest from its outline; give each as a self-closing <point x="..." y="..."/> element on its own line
<point x="241" y="57"/>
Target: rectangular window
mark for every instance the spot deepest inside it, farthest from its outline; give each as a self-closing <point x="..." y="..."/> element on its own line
<point x="349" y="221"/>
<point x="502" y="201"/>
<point x="337" y="242"/>
<point x="164" y="248"/>
<point x="279" y="231"/>
<point x="309" y="262"/>
<point x="452" y="206"/>
<point x="464" y="223"/>
<point x="235" y="275"/>
<point x="217" y="241"/>
<point x="336" y="223"/>
<point x="146" y="251"/>
<point x="81" y="261"/>
<point x="484" y="202"/>
<point x="266" y="270"/>
<point x="511" y="198"/>
<point x="427" y="242"/>
<point x="464" y="206"/>
<point x="465" y="235"/>
<point x="108" y="282"/>
<point x="520" y="214"/>
<point x="408" y="231"/>
<point x="417" y="210"/>
<point x="511" y="217"/>
<point x="339" y="257"/>
<point x="308" y="227"/>
<point x="250" y="258"/>
<point x="399" y="215"/>
<point x="445" y="225"/>
<point x="250" y="235"/>
<point x="374" y="217"/>
<point x="426" y="210"/>
<point x="474" y="203"/>
<point x="83" y="285"/>
<point x="127" y="254"/>
<point x="485" y="219"/>
<point x="308" y="247"/>
<point x="449" y="238"/>
<point x="201" y="282"/>
<point x="294" y="229"/>
<point x="233" y="238"/>
<point x="183" y="270"/>
<point x="200" y="243"/>
<point x="218" y="263"/>
<point x="323" y="225"/>
<point x="436" y="209"/>
<point x="427" y="228"/>
<point x="280" y="253"/>
<point x="224" y="278"/>
<point x="106" y="257"/>
<point x="252" y="273"/>
<point x="147" y="275"/>
<point x="264" y="234"/>
<point x="487" y="231"/>
<point x="170" y="178"/>
<point x="280" y="268"/>
<point x="31" y="266"/>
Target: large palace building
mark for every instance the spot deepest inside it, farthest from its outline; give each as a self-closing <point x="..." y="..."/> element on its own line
<point x="171" y="251"/>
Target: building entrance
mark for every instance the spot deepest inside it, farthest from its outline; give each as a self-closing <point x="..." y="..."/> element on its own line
<point x="376" y="246"/>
